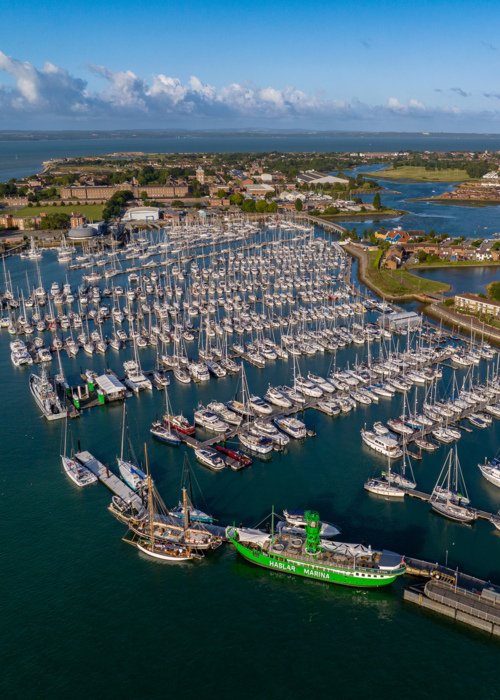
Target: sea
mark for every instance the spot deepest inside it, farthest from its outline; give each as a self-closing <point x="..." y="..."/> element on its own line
<point x="84" y="615"/>
<point x="22" y="153"/>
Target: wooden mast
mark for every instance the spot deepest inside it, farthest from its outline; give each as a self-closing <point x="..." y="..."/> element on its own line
<point x="150" y="498"/>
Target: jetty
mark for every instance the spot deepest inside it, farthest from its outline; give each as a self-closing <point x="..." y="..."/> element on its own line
<point x="111" y="481"/>
<point x="456" y="595"/>
<point x="421" y="495"/>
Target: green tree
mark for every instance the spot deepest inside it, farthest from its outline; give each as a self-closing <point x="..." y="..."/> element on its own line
<point x="237" y="199"/>
<point x="261" y="206"/>
<point x="221" y="193"/>
<point x="377" y="204"/>
<point x="248" y="206"/>
<point x="298" y="204"/>
<point x="58" y="220"/>
<point x="494" y="291"/>
<point x="116" y="204"/>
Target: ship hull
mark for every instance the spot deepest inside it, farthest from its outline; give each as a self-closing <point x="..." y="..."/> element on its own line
<point x="317" y="572"/>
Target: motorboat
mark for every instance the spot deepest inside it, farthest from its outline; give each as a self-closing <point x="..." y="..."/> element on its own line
<point x="210" y="458"/>
<point x="46" y="397"/>
<point x="291" y="426"/>
<point x="255" y="443"/>
<point x="258" y="405"/>
<point x="384" y="444"/>
<point x="277" y="398"/>
<point x="209" y="420"/>
<point x="491" y="471"/>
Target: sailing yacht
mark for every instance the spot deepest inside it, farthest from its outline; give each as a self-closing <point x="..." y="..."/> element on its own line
<point x="185" y="507"/>
<point x="149" y="541"/>
<point x="385" y="485"/>
<point x="77" y="472"/>
<point x="450" y="493"/>
<point x="130" y="473"/>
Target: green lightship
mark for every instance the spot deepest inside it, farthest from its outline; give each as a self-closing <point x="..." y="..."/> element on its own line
<point x="307" y="555"/>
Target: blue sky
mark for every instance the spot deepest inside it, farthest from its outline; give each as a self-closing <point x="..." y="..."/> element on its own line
<point x="425" y="66"/>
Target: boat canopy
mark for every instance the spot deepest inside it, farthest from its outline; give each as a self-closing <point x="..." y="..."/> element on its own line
<point x="252" y="536"/>
<point x="110" y="384"/>
<point x="389" y="560"/>
<point x="347" y="549"/>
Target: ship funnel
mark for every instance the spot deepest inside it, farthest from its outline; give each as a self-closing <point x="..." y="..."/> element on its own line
<point x="313" y="528"/>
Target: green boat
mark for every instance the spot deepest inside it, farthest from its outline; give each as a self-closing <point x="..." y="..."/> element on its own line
<point x="306" y="554"/>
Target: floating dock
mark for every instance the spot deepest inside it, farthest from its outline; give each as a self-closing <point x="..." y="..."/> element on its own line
<point x="111" y="481"/>
<point x="483" y="514"/>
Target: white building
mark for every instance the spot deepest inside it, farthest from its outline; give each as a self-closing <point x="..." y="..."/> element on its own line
<point x="400" y="321"/>
<point x="312" y="177"/>
<point x="86" y="231"/>
<point x="477" y="304"/>
<point x="142" y="214"/>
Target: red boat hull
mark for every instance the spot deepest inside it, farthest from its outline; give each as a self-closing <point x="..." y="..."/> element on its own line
<point x="183" y="429"/>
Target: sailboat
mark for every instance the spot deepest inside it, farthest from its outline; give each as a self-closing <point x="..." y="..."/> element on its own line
<point x="163" y="431"/>
<point x="78" y="473"/>
<point x="403" y="476"/>
<point x="148" y="541"/>
<point x="130" y="473"/>
<point x="385" y="485"/>
<point x="185" y="507"/>
<point x="450" y="494"/>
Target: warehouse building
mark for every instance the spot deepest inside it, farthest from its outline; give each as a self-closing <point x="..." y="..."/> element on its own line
<point x="401" y="321"/>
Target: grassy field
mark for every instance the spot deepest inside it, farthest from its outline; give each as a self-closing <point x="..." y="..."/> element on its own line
<point x="91" y="211"/>
<point x="410" y="172"/>
<point x="399" y="282"/>
<point x="369" y="214"/>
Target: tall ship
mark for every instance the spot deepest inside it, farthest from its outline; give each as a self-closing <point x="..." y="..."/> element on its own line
<point x="312" y="557"/>
<point x="46" y="397"/>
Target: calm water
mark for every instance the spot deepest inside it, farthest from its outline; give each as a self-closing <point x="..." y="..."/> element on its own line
<point x="455" y="220"/>
<point x="471" y="279"/>
<point x="84" y="615"/>
<point x="24" y="157"/>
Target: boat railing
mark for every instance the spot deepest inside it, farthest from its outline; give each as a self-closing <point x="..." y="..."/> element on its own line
<point x="341" y="559"/>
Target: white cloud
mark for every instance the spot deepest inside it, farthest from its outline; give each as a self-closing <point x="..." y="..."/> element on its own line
<point x="51" y="92"/>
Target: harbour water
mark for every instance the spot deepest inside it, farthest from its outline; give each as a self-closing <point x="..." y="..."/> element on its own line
<point x="84" y="614"/>
<point x="463" y="279"/>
